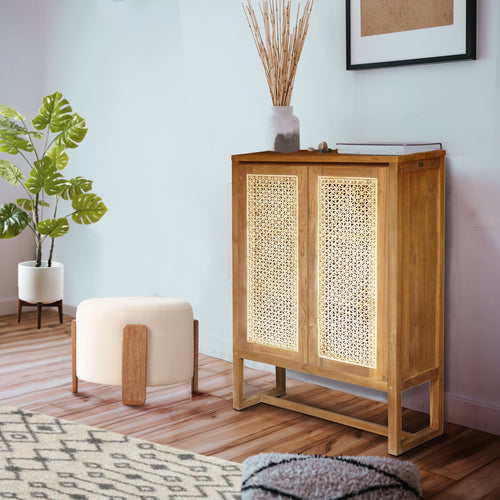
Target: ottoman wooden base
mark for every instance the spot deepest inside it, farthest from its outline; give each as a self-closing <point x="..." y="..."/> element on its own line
<point x="135" y="342"/>
<point x="134" y="363"/>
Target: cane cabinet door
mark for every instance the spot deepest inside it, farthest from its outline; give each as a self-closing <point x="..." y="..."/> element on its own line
<point x="348" y="269"/>
<point x="271" y="236"/>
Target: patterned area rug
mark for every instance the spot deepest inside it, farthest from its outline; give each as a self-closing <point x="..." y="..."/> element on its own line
<point x="45" y="457"/>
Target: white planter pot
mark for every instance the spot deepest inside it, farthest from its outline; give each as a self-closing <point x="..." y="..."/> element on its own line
<point x="40" y="284"/>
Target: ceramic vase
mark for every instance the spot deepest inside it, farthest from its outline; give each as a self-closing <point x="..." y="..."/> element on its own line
<point x="283" y="130"/>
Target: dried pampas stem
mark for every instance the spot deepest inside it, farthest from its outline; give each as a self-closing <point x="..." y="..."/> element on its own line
<point x="279" y="43"/>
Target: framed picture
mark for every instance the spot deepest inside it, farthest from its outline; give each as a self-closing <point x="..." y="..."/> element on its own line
<point x="398" y="32"/>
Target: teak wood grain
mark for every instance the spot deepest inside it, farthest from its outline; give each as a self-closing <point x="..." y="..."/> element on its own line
<point x="134" y="364"/>
<point x="409" y="283"/>
<point x="35" y="374"/>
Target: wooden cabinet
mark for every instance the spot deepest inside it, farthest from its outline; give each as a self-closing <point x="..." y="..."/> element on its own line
<point x="338" y="272"/>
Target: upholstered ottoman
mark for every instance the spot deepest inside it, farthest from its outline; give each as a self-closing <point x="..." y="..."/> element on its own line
<point x="135" y="342"/>
<point x="315" y="477"/>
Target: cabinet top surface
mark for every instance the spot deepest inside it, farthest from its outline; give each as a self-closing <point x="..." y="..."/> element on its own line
<point x="333" y="157"/>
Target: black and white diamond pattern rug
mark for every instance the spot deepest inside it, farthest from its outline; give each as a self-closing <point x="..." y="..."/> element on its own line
<point x="45" y="457"/>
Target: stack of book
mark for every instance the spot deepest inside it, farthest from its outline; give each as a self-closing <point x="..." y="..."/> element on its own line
<point x="386" y="148"/>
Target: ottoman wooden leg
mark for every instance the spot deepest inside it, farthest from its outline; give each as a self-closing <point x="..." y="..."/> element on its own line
<point x="194" y="381"/>
<point x="134" y="359"/>
<point x="74" y="378"/>
<point x="19" y="309"/>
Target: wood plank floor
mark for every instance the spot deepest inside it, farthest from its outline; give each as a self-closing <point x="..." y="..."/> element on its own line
<point x="35" y="374"/>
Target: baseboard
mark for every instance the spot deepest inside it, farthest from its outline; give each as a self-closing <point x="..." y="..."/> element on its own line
<point x="457" y="410"/>
<point x="213" y="346"/>
<point x="336" y="385"/>
<point x="8" y="306"/>
<point x="69" y="310"/>
<point x="473" y="414"/>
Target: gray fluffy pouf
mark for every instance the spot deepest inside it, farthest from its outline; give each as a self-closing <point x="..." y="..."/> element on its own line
<point x="301" y="477"/>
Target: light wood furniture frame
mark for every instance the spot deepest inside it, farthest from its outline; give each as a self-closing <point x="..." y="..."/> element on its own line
<point x="293" y="306"/>
<point x="134" y="363"/>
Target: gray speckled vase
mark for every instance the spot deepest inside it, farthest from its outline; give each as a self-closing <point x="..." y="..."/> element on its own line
<point x="283" y="130"/>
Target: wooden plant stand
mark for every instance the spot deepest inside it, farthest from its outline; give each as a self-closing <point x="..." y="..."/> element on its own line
<point x="21" y="303"/>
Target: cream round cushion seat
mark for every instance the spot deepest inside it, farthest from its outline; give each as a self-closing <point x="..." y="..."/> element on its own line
<point x="100" y="324"/>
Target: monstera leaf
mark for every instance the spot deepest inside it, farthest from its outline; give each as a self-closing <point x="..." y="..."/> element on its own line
<point x="54" y="182"/>
<point x="11" y="140"/>
<point x="73" y="133"/>
<point x="13" y="220"/>
<point x="10" y="127"/>
<point x="75" y="187"/>
<point x="35" y="182"/>
<point x="29" y="205"/>
<point x="12" y="174"/>
<point x="56" y="113"/>
<point x="11" y="113"/>
<point x="58" y="156"/>
<point x="89" y="208"/>
<point x="45" y="176"/>
<point x="54" y="228"/>
<point x="13" y="145"/>
<point x="12" y="134"/>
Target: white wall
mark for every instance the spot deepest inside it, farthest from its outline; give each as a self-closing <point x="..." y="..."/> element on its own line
<point x="170" y="89"/>
<point x="22" y="58"/>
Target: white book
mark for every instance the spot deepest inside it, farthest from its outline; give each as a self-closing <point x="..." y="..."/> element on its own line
<point x="386" y="148"/>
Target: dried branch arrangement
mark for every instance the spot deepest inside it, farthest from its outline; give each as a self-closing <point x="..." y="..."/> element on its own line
<point x="280" y="47"/>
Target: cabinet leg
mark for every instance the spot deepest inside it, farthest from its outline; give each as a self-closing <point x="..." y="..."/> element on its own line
<point x="239" y="400"/>
<point x="400" y="441"/>
<point x="436" y="403"/>
<point x="395" y="422"/>
<point x="280" y="381"/>
<point x="238" y="383"/>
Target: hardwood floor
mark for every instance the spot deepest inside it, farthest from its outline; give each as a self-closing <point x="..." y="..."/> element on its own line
<point x="35" y="374"/>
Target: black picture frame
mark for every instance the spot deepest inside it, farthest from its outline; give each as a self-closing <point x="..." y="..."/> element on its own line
<point x="469" y="31"/>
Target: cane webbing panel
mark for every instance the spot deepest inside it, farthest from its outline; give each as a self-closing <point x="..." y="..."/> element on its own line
<point x="272" y="260"/>
<point x="347" y="267"/>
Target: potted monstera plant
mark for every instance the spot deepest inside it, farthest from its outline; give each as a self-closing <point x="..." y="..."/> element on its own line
<point x="50" y="199"/>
